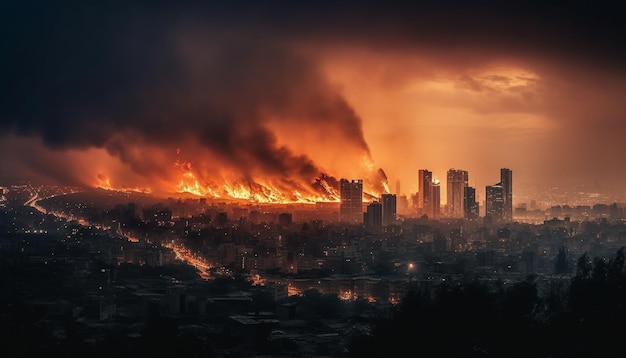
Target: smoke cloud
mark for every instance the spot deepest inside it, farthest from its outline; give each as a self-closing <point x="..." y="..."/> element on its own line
<point x="158" y="93"/>
<point x="230" y="96"/>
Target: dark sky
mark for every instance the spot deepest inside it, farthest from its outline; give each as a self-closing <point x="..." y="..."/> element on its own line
<point x="273" y="93"/>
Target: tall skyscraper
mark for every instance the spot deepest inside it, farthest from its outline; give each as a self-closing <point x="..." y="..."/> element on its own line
<point x="470" y="203"/>
<point x="456" y="184"/>
<point x="351" y="206"/>
<point x="435" y="203"/>
<point x="424" y="181"/>
<point x="389" y="209"/>
<point x="494" y="203"/>
<point x="373" y="217"/>
<point x="506" y="180"/>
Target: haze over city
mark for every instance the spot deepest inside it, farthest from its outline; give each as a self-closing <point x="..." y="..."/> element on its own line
<point x="257" y="101"/>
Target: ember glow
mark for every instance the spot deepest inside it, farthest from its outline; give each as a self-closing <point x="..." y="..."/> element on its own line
<point x="103" y="182"/>
<point x="185" y="178"/>
<point x="189" y="183"/>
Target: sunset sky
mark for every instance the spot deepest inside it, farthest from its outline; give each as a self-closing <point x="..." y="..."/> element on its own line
<point x="276" y="92"/>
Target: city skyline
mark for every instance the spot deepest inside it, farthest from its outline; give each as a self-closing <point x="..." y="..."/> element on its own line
<point x="104" y="252"/>
<point x="312" y="178"/>
<point x="258" y="102"/>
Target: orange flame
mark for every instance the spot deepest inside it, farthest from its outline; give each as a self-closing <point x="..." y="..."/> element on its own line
<point x="329" y="189"/>
<point x="190" y="184"/>
<point x="191" y="180"/>
<point x="386" y="187"/>
<point x="104" y="182"/>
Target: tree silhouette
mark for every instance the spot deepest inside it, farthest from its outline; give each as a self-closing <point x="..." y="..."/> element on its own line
<point x="597" y="302"/>
<point x="474" y="319"/>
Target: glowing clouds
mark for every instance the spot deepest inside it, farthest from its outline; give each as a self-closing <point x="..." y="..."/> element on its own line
<point x="420" y="112"/>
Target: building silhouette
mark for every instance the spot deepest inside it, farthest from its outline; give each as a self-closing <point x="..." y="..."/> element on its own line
<point x="389" y="209"/>
<point x="494" y="203"/>
<point x="470" y="204"/>
<point x="373" y="217"/>
<point x="424" y="197"/>
<point x="506" y="181"/>
<point x="435" y="205"/>
<point x="351" y="206"/>
<point x="456" y="184"/>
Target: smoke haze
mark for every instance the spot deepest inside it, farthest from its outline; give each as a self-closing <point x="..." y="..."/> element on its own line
<point x="268" y="97"/>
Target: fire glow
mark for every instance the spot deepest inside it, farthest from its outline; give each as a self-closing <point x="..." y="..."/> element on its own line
<point x="190" y="181"/>
<point x="104" y="182"/>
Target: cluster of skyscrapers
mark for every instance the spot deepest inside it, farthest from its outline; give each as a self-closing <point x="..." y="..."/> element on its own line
<point x="376" y="215"/>
<point x="499" y="198"/>
<point x="461" y="200"/>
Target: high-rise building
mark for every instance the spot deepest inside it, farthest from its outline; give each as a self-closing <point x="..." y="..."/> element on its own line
<point x="470" y="203"/>
<point x="506" y="180"/>
<point x="456" y="184"/>
<point x="351" y="206"/>
<point x="424" y="181"/>
<point x="435" y="203"/>
<point x="373" y="217"/>
<point x="494" y="203"/>
<point x="389" y="209"/>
